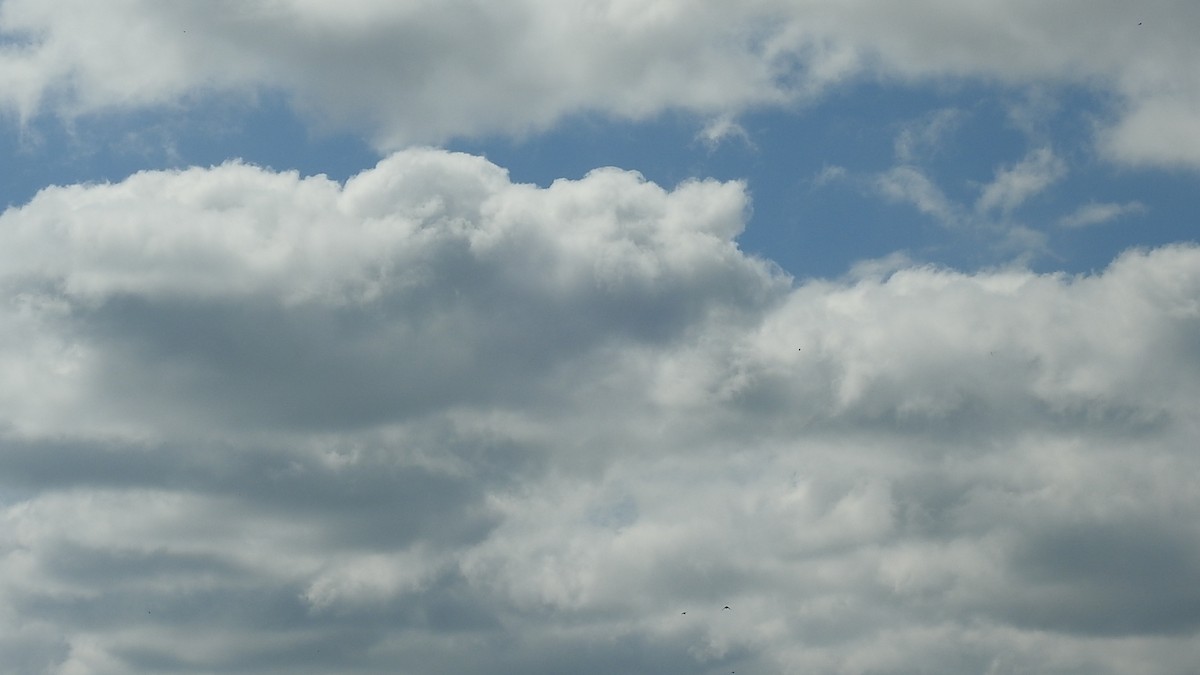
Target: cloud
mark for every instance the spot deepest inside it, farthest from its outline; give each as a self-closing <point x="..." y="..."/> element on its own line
<point x="273" y="290"/>
<point x="722" y="129"/>
<point x="829" y="174"/>
<point x="926" y="135"/>
<point x="1095" y="213"/>
<point x="259" y="422"/>
<point x="1158" y="131"/>
<point x="404" y="74"/>
<point x="907" y="183"/>
<point x="1013" y="185"/>
<point x="428" y="72"/>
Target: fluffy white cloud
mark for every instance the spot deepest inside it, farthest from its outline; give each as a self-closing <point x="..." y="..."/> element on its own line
<point x="436" y="254"/>
<point x="260" y="422"/>
<point x="423" y="72"/>
<point x="1159" y="131"/>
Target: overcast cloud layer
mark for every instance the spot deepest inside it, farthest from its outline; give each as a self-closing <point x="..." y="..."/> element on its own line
<point x="432" y="421"/>
<point x="428" y="71"/>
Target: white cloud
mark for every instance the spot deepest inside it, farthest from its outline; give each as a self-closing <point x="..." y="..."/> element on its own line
<point x="1094" y="213"/>
<point x="927" y="135"/>
<point x="403" y="73"/>
<point x="1160" y="130"/>
<point x="1027" y="178"/>
<point x="907" y="183"/>
<point x="1012" y="186"/>
<point x="414" y="253"/>
<point x="437" y="418"/>
<point x="830" y="173"/>
<point x="425" y="72"/>
<point x="721" y="129"/>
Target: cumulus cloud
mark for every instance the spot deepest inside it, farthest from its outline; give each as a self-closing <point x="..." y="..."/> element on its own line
<point x="425" y="72"/>
<point x="1159" y="131"/>
<point x="259" y="422"/>
<point x="331" y="278"/>
<point x="416" y="72"/>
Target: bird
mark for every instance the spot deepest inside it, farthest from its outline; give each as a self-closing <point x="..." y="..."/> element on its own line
<point x="726" y="606"/>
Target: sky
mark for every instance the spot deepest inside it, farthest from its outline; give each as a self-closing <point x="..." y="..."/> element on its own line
<point x="837" y="337"/>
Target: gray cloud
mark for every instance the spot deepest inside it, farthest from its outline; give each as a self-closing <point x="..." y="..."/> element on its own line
<point x="435" y="420"/>
<point x="430" y="72"/>
<point x="1108" y="578"/>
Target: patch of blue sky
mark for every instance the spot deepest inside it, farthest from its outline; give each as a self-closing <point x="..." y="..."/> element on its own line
<point x="111" y="146"/>
<point x="800" y="220"/>
<point x="814" y="175"/>
<point x="813" y="172"/>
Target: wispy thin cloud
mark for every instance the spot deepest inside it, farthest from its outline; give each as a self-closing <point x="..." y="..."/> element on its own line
<point x="1096" y="213"/>
<point x="829" y="174"/>
<point x="910" y="184"/>
<point x="925" y="136"/>
<point x="1015" y="184"/>
<point x="723" y="129"/>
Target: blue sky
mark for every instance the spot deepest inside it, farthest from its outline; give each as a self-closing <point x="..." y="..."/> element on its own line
<point x="811" y="222"/>
<point x="674" y="336"/>
<point x="804" y="220"/>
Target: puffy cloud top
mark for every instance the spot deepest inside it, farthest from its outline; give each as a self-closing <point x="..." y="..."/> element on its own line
<point x="434" y="251"/>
